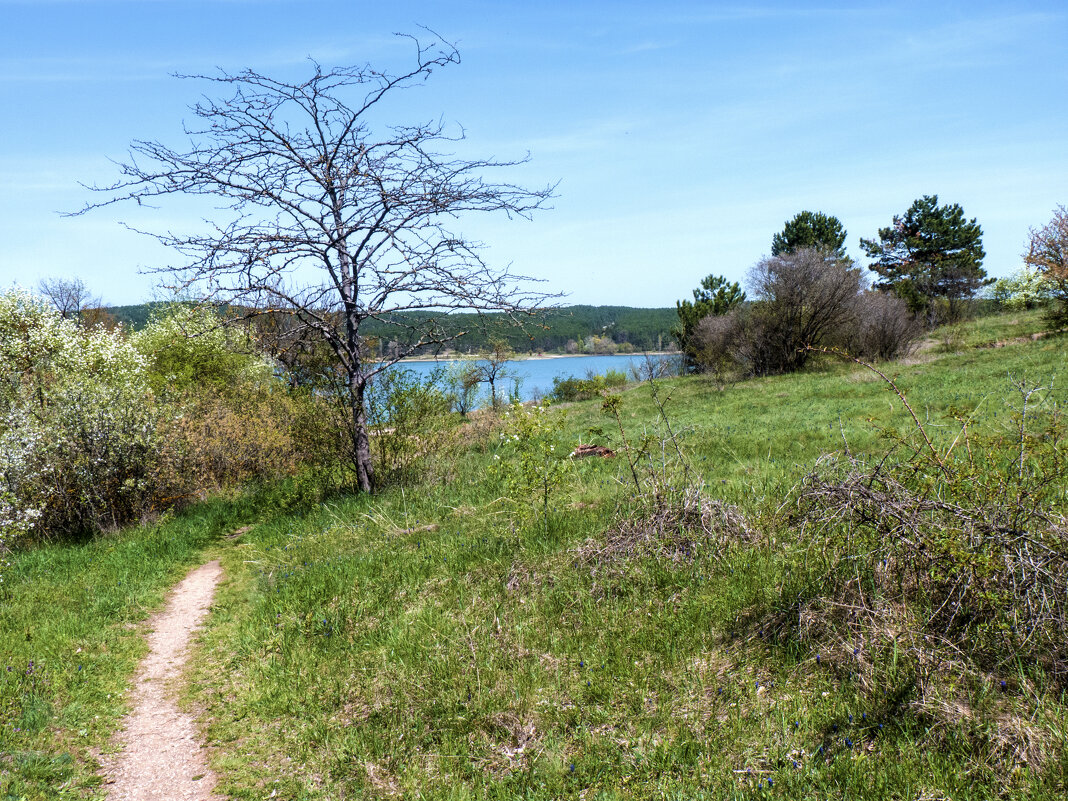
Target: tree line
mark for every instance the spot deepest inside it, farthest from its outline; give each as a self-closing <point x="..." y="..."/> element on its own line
<point x="567" y="329"/>
<point x="809" y="295"/>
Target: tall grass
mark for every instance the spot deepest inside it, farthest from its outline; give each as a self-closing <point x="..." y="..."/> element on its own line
<point x="436" y="643"/>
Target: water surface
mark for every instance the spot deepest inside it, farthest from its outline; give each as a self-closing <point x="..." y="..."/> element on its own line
<point x="536" y="375"/>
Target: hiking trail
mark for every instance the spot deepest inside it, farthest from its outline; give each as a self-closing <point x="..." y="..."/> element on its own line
<point x="162" y="757"/>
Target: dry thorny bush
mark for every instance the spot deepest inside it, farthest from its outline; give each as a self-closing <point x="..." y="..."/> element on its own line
<point x="670" y="517"/>
<point x="674" y="523"/>
<point x="942" y="574"/>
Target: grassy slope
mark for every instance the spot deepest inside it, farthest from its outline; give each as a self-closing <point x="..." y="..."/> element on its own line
<point x="69" y="641"/>
<point x="355" y="653"/>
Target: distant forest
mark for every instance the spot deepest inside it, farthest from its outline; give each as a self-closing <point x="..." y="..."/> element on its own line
<point x="570" y="329"/>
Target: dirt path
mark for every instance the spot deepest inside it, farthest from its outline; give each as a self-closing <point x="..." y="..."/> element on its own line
<point x="162" y="757"/>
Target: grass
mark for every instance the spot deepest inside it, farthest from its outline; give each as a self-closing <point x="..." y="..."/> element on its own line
<point x="70" y="639"/>
<point x="442" y="641"/>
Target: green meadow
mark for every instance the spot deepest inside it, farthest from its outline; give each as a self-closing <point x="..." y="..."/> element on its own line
<point x="627" y="628"/>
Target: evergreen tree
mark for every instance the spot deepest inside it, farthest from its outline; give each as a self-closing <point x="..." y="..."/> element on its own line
<point x="930" y="253"/>
<point x="715" y="296"/>
<point x="811" y="229"/>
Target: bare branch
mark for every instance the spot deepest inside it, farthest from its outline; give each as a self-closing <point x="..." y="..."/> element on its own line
<point x="327" y="219"/>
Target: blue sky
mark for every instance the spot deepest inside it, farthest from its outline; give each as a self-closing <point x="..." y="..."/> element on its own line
<point x="683" y="135"/>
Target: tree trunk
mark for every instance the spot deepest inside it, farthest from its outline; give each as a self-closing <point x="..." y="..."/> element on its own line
<point x="361" y="451"/>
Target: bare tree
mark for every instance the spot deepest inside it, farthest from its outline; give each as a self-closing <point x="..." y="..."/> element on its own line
<point x="804" y="298"/>
<point x="334" y="220"/>
<point x="69" y="296"/>
<point x="493" y="368"/>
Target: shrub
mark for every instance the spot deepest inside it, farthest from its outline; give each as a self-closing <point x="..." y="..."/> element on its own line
<point x="884" y="327"/>
<point x="577" y="389"/>
<point x="460" y="380"/>
<point x="410" y="424"/>
<point x="98" y="430"/>
<point x="718" y="347"/>
<point x="808" y="304"/>
<point x="188" y="349"/>
<point x="1024" y="289"/>
<point x="1048" y="253"/>
<point x="806" y="299"/>
<point x="216" y="441"/>
<point x="79" y="425"/>
<point x="527" y="459"/>
<point x="938" y="573"/>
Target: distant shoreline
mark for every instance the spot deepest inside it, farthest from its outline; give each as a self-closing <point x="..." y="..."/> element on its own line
<point x="536" y="358"/>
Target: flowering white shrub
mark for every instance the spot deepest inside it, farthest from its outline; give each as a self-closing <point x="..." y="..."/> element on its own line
<point x="77" y="423"/>
<point x="1025" y="289"/>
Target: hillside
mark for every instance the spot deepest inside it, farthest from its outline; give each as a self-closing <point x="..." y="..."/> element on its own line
<point x="641" y="329"/>
<point x="688" y="628"/>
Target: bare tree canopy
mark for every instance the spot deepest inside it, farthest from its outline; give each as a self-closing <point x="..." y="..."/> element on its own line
<point x="69" y="296"/>
<point x="330" y="219"/>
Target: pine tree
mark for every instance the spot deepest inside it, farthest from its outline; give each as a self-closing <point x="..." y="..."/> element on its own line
<point x="715" y="296"/>
<point x="811" y="229"/>
<point x="930" y="253"/>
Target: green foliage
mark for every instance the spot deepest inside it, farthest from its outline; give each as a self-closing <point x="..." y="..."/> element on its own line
<point x="189" y="349"/>
<point x="577" y="389"/>
<point x="715" y="297"/>
<point x="98" y="429"/>
<point x="411" y="432"/>
<point x="814" y="230"/>
<point x="460" y="381"/>
<point x="549" y="330"/>
<point x="78" y="430"/>
<point x="527" y="460"/>
<point x="928" y="254"/>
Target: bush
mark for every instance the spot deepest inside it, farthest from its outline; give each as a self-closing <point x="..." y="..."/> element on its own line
<point x="461" y="379"/>
<point x="718" y="348"/>
<point x="527" y="461"/>
<point x="936" y="574"/>
<point x="78" y="424"/>
<point x="1024" y="289"/>
<point x="410" y="424"/>
<point x="218" y="441"/>
<point x="577" y="389"/>
<point x="884" y="327"/>
<point x="98" y="430"/>
<point x="807" y="298"/>
<point x="1048" y="253"/>
<point x="807" y="301"/>
<point x="188" y="349"/>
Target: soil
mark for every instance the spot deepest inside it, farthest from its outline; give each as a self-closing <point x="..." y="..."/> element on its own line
<point x="162" y="756"/>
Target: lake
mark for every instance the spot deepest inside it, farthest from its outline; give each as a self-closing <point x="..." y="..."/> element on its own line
<point x="536" y="375"/>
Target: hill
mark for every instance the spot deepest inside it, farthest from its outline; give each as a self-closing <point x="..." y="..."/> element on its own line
<point x="552" y="330"/>
<point x="691" y="619"/>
